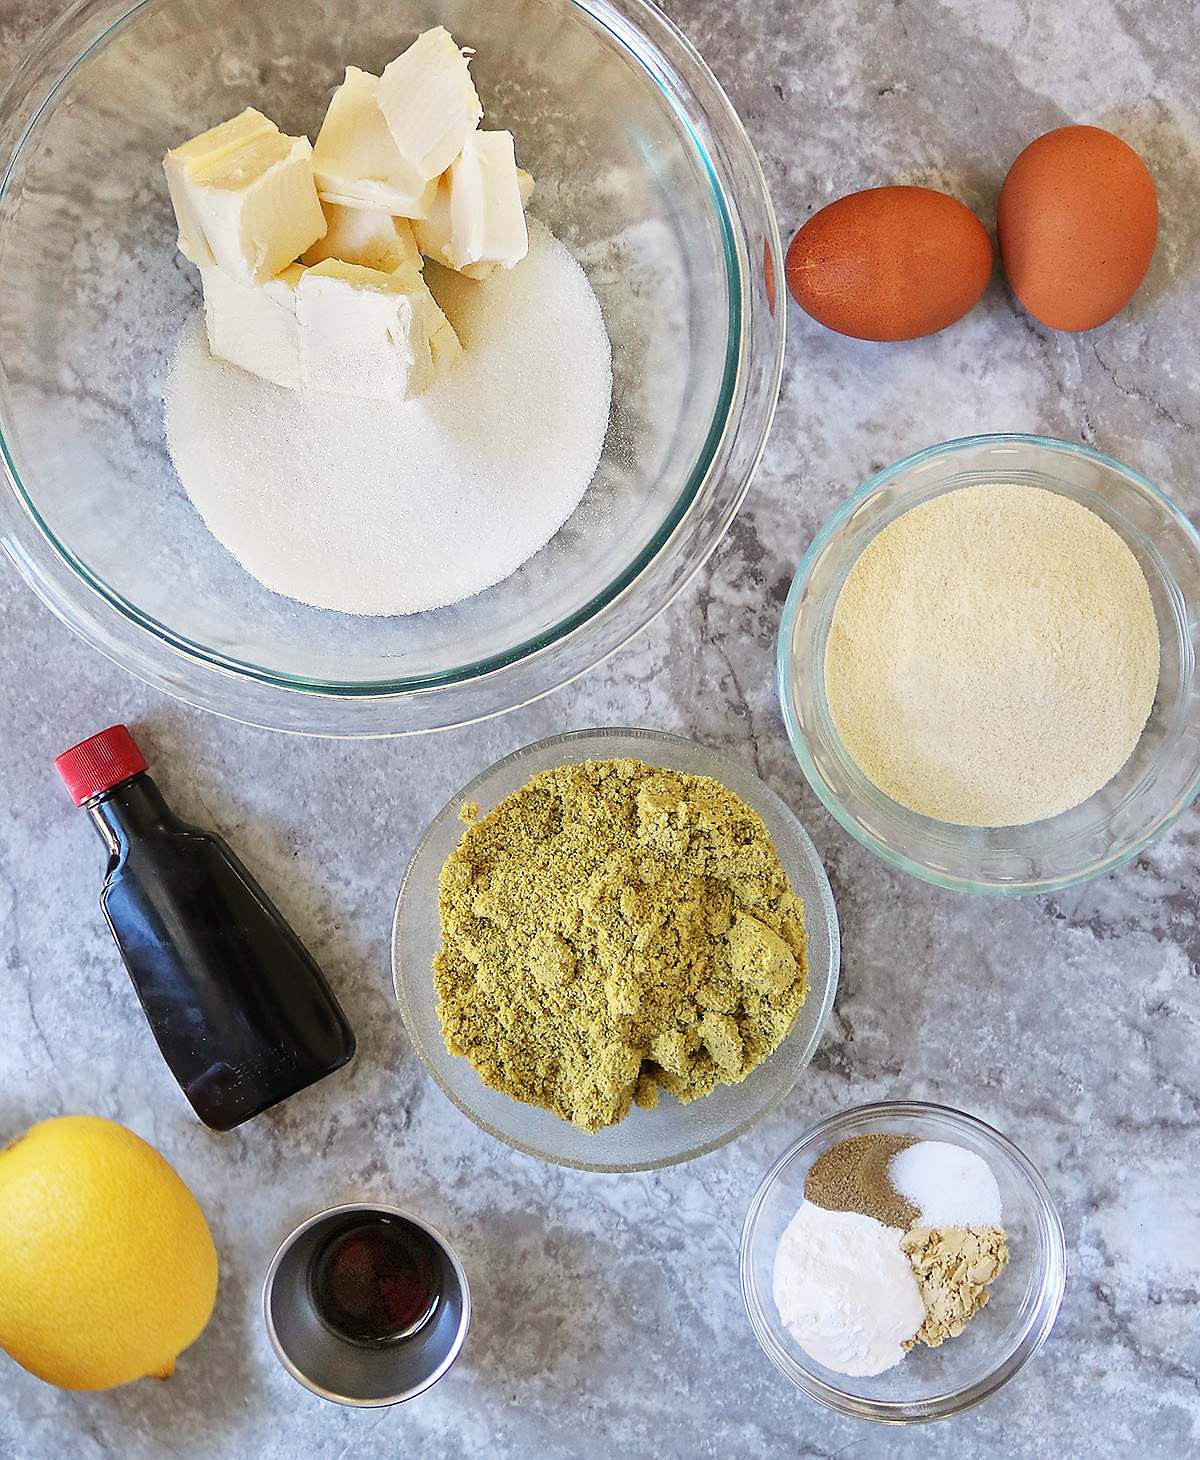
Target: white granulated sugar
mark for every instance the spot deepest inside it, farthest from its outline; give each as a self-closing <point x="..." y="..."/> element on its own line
<point x="374" y="507"/>
<point x="949" y="1185"/>
<point x="845" y="1290"/>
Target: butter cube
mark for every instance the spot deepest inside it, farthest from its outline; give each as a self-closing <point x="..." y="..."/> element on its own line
<point x="363" y="332"/>
<point x="362" y="236"/>
<point x="432" y="232"/>
<point x="477" y="219"/>
<point x="356" y="161"/>
<point x="208" y="147"/>
<point x="487" y="219"/>
<point x="429" y="102"/>
<point x="258" y="205"/>
<point x="254" y="325"/>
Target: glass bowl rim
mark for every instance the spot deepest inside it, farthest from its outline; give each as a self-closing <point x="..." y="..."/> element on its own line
<point x="1036" y="1332"/>
<point x="805" y="845"/>
<point x="156" y="653"/>
<point x="875" y="484"/>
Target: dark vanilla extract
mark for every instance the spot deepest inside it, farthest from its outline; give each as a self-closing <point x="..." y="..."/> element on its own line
<point x="376" y="1281"/>
<point x="241" y="1011"/>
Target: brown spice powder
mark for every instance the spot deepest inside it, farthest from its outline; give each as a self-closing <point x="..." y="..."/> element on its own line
<point x="611" y="929"/>
<point x="852" y="1177"/>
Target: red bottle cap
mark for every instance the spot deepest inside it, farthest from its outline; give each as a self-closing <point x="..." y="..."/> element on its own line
<point x="99" y="763"/>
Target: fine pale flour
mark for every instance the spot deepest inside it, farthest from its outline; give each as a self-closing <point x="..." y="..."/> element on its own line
<point x="375" y="507"/>
<point x="993" y="656"/>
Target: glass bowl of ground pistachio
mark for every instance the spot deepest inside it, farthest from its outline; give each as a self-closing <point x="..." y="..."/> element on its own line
<point x="986" y="664"/>
<point x="901" y="1261"/>
<point x="615" y="949"/>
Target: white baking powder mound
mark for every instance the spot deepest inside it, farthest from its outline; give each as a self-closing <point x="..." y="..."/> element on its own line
<point x="374" y="507"/>
<point x="845" y="1290"/>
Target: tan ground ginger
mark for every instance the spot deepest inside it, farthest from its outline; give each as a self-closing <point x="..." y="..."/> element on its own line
<point x="953" y="1268"/>
<point x="610" y="929"/>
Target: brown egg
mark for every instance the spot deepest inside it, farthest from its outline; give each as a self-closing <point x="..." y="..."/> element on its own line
<point x="890" y="263"/>
<point x="1077" y="222"/>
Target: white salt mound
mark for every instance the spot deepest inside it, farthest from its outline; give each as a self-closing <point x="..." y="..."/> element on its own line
<point x="373" y="507"/>
<point x="949" y="1186"/>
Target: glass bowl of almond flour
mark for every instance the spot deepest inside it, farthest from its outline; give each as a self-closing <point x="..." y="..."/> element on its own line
<point x="642" y="170"/>
<point x="1151" y="786"/>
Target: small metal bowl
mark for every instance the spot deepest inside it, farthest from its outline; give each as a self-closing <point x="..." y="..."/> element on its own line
<point x="366" y="1376"/>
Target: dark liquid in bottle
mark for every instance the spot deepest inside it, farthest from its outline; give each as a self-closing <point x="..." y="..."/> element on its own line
<point x="239" y="1008"/>
<point x="376" y="1282"/>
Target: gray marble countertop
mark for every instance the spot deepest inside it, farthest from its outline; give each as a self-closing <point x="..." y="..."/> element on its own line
<point x="608" y="1317"/>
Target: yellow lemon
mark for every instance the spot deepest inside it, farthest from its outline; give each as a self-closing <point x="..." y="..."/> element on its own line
<point x="107" y="1266"/>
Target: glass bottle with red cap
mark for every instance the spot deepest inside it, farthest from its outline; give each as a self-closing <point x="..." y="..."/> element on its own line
<point x="240" y="1010"/>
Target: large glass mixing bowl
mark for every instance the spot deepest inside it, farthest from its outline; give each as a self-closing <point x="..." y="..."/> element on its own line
<point x="642" y="168"/>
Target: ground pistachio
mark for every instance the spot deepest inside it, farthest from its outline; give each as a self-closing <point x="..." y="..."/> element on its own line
<point x="610" y="930"/>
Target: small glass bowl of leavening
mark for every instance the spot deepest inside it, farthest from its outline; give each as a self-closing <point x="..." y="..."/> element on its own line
<point x="1001" y="1338"/>
<point x="644" y="1139"/>
<point x="1151" y="790"/>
